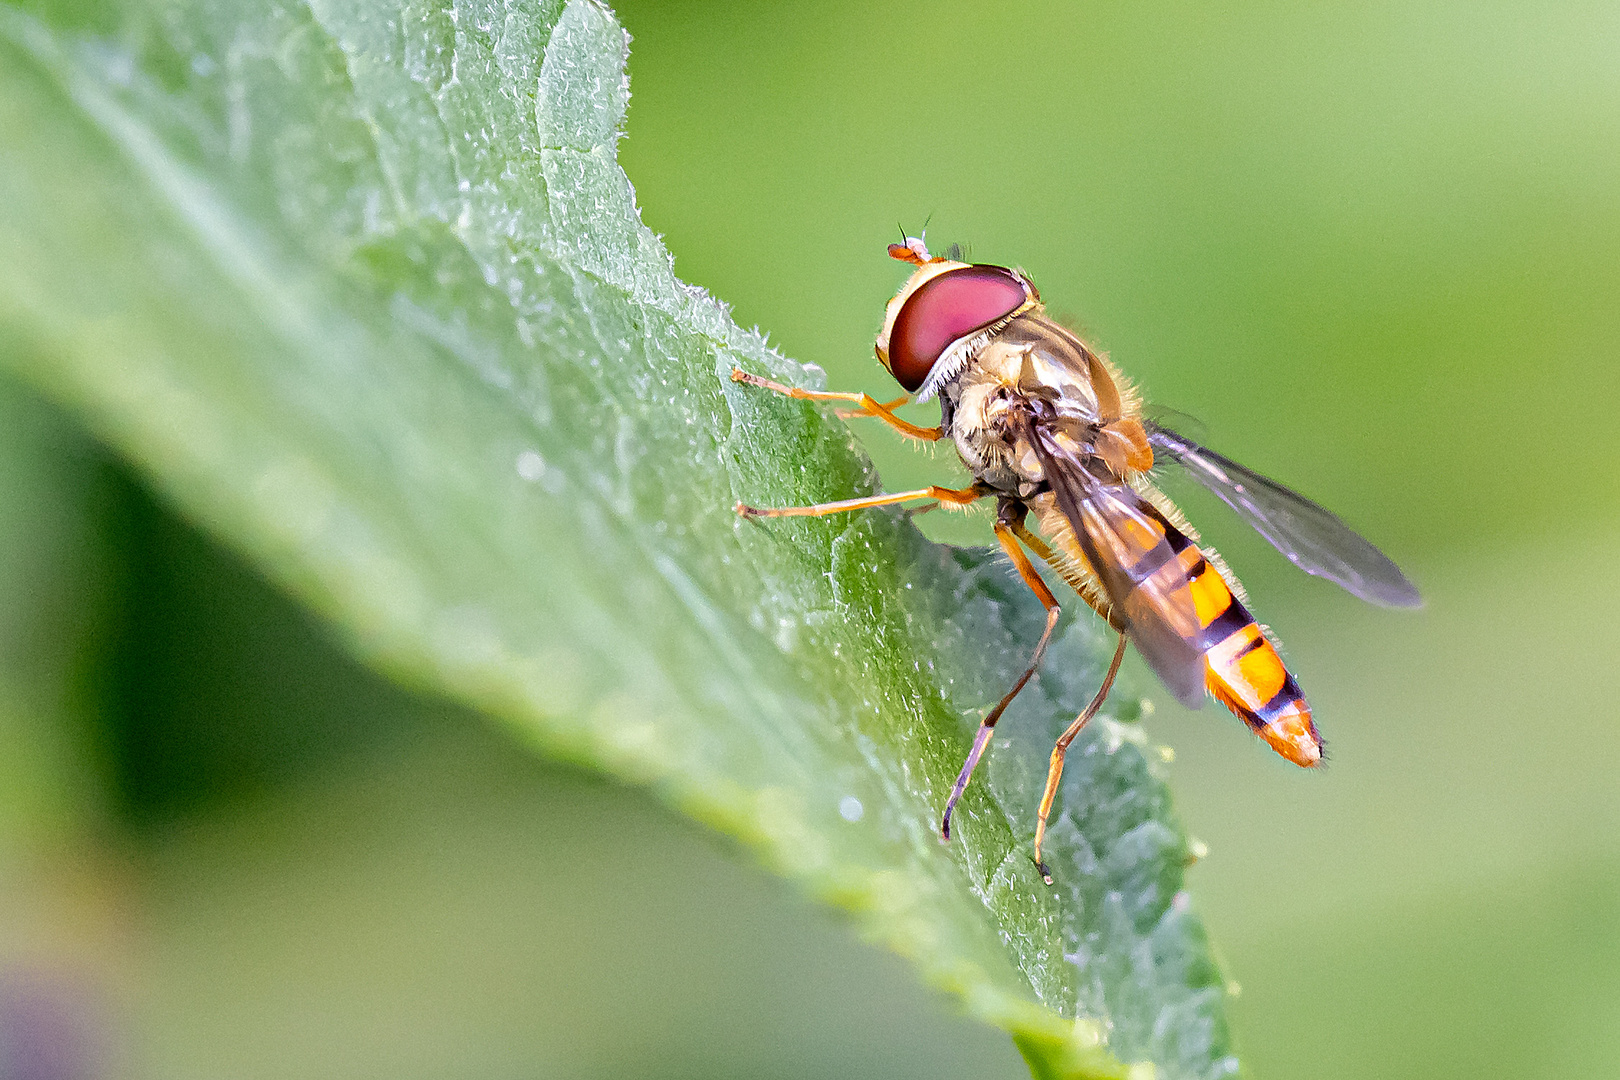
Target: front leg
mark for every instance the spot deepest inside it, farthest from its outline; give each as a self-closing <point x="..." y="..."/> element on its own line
<point x="956" y="497"/>
<point x="869" y="406"/>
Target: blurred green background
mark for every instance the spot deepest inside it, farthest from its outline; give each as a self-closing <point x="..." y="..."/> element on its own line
<point x="1375" y="250"/>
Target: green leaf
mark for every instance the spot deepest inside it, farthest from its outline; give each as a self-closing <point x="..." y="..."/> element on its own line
<point x="362" y="287"/>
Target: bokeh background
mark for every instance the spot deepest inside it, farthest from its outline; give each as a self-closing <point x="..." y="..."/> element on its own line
<point x="1373" y="248"/>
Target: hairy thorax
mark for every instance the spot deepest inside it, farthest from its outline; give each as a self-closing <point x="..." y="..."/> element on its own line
<point x="1035" y="359"/>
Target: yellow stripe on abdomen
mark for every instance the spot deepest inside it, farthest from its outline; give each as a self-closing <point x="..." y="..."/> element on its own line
<point x="1246" y="673"/>
<point x="1211" y="596"/>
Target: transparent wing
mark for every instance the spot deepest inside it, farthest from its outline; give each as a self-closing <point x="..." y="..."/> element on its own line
<point x="1311" y="536"/>
<point x="1133" y="552"/>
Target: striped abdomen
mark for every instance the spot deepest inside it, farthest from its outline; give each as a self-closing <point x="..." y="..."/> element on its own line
<point x="1242" y="668"/>
<point x="1170" y="591"/>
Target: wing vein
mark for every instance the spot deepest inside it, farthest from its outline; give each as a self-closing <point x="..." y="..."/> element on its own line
<point x="1308" y="534"/>
<point x="1133" y="552"/>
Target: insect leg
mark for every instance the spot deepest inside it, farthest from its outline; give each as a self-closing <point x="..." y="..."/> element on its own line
<point x="869" y="406"/>
<point x="1055" y="769"/>
<point x="851" y="414"/>
<point x="1079" y="578"/>
<point x="981" y="739"/>
<point x="956" y="497"/>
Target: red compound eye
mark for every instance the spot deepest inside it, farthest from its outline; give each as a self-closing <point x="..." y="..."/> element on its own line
<point x="946" y="308"/>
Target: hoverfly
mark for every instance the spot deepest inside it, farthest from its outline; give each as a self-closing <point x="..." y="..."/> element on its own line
<point x="1049" y="428"/>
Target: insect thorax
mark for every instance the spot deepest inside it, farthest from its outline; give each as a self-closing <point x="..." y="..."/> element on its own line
<point x="1032" y="358"/>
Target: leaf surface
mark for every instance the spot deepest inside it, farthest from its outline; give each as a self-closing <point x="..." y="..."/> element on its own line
<point x="363" y="288"/>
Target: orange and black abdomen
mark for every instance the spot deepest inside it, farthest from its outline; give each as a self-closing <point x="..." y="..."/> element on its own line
<point x="1241" y="666"/>
<point x="1179" y="609"/>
